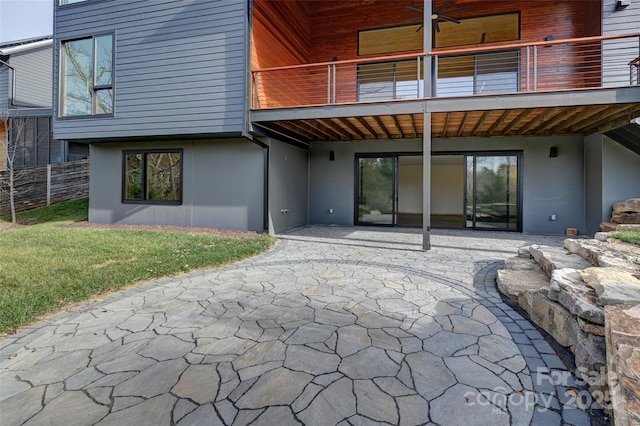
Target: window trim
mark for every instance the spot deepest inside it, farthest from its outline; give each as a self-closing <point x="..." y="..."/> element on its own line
<point x="94" y="87"/>
<point x="144" y="153"/>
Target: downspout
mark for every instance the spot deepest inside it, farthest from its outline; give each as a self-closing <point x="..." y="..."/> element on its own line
<point x="13" y="82"/>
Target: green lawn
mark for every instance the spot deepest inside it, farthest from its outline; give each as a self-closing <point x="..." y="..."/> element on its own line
<point x="46" y="265"/>
<point x="628" y="236"/>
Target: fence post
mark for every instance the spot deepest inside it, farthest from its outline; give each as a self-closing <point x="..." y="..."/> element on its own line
<point x="48" y="184"/>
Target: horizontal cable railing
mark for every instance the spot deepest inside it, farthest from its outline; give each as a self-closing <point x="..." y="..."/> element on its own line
<point x="591" y="62"/>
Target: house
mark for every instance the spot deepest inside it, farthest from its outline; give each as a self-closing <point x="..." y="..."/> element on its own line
<point x="26" y="93"/>
<point x="266" y="115"/>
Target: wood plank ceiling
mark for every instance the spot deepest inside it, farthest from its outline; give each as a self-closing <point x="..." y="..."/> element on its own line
<point x="541" y="121"/>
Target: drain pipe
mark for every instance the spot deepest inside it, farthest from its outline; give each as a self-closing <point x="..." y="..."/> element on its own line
<point x="13" y="82"/>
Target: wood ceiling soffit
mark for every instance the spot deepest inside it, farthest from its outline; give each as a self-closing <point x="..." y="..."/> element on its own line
<point x="549" y="113"/>
<point x="612" y="115"/>
<point x="596" y="115"/>
<point x="464" y="121"/>
<point x="285" y="131"/>
<point x="301" y="127"/>
<point x="353" y="128"/>
<point x="398" y="126"/>
<point x="519" y="119"/>
<point x="584" y="119"/>
<point x="413" y="125"/>
<point x="446" y="124"/>
<point x="505" y="115"/>
<point x="563" y="114"/>
<point x="480" y="122"/>
<point x="366" y="125"/>
<point x="336" y="128"/>
<point x="323" y="129"/>
<point x="613" y="124"/>
<point x="382" y="127"/>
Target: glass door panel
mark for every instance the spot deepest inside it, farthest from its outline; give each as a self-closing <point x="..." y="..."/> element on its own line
<point x="492" y="192"/>
<point x="377" y="191"/>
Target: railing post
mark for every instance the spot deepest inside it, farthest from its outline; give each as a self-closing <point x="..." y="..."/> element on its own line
<point x="255" y="89"/>
<point x="528" y="65"/>
<point x="334" y="83"/>
<point x="418" y="76"/>
<point x="328" y="84"/>
<point x="434" y="76"/>
<point x="535" y="68"/>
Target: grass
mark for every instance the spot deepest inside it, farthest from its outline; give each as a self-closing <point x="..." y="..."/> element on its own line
<point x="46" y="265"/>
<point x="628" y="236"/>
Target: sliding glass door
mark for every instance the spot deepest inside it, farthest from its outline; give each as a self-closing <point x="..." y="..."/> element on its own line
<point x="376" y="190"/>
<point x="492" y="199"/>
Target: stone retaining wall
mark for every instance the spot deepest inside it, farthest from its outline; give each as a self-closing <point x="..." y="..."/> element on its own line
<point x="572" y="293"/>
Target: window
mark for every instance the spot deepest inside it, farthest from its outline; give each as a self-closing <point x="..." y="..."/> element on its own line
<point x="485" y="73"/>
<point x="152" y="176"/>
<point x="390" y="80"/>
<point x="86" y="69"/>
<point x="64" y="2"/>
<point x="31" y="143"/>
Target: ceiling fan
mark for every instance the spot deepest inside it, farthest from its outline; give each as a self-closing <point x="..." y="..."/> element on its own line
<point x="439" y="15"/>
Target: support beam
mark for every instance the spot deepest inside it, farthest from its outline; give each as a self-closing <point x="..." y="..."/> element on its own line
<point x="499" y="121"/>
<point x="426" y="183"/>
<point x="353" y="128"/>
<point x="382" y="126"/>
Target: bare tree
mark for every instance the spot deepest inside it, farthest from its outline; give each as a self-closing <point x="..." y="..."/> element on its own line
<point x="12" y="130"/>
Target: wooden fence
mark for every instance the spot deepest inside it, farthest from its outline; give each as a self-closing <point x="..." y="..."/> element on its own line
<point x="44" y="185"/>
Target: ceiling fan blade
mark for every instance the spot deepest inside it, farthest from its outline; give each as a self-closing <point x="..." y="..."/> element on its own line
<point x="460" y="9"/>
<point x="420" y="27"/>
<point x="414" y="9"/>
<point x="444" y="6"/>
<point x="417" y="18"/>
<point x="446" y="18"/>
<point x="436" y="25"/>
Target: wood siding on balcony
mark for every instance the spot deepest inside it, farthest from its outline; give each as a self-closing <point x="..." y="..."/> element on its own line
<point x="281" y="36"/>
<point x="294" y="32"/>
<point x="335" y="24"/>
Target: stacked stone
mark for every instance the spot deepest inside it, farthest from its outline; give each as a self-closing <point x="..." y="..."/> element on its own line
<point x="571" y="298"/>
<point x="625" y="216"/>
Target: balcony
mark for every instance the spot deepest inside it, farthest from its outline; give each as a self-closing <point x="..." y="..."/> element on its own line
<point x="539" y="67"/>
<point x="559" y="87"/>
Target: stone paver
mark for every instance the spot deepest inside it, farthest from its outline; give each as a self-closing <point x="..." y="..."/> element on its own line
<point x="333" y="326"/>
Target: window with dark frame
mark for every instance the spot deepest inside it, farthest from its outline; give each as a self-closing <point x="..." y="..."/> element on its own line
<point x="86" y="76"/>
<point x="152" y="176"/>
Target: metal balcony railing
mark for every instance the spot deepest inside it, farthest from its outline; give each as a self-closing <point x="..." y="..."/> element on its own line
<point x="584" y="63"/>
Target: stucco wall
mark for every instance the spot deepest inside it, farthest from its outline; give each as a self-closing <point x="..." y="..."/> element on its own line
<point x="331" y="183"/>
<point x="550" y="185"/>
<point x="620" y="175"/>
<point x="288" y="186"/>
<point x="222" y="186"/>
<point x="593" y="183"/>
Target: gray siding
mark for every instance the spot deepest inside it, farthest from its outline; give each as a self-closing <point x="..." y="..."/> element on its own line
<point x="180" y="68"/>
<point x="617" y="54"/>
<point x="33" y="77"/>
<point x="222" y="186"/>
<point x="288" y="186"/>
<point x="550" y="185"/>
<point x="4" y="86"/>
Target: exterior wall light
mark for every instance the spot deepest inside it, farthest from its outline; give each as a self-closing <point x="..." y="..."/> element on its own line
<point x="622" y="4"/>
